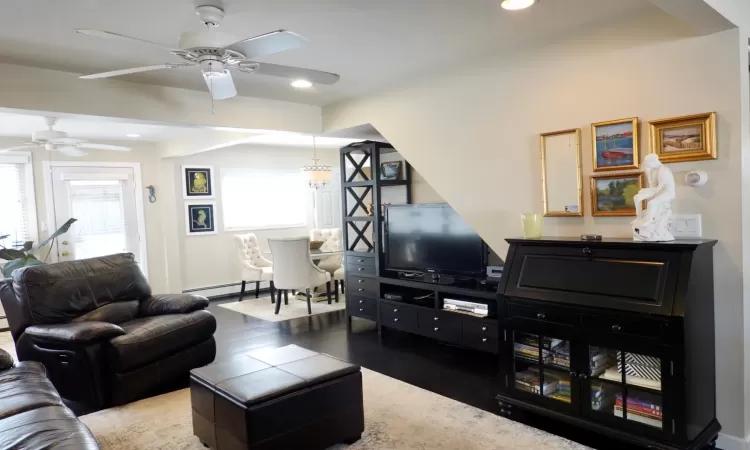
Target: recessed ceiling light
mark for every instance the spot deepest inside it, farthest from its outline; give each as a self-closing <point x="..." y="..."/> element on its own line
<point x="517" y="4"/>
<point x="301" y="84"/>
<point x="133" y="135"/>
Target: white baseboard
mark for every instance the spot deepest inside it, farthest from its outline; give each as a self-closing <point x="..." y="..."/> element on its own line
<point x="728" y="442"/>
<point x="222" y="291"/>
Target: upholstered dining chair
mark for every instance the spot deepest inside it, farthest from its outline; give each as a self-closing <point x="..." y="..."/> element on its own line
<point x="293" y="268"/>
<point x="254" y="266"/>
<point x="332" y="242"/>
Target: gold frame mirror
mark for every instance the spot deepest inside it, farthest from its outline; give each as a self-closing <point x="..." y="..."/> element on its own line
<point x="562" y="177"/>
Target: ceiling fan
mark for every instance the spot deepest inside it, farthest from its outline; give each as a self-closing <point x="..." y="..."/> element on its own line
<point x="216" y="53"/>
<point x="54" y="140"/>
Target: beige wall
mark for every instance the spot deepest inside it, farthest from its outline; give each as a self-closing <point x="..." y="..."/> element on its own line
<point x="494" y="109"/>
<point x="211" y="260"/>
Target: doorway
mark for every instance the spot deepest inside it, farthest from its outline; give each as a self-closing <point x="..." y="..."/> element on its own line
<point x="105" y="200"/>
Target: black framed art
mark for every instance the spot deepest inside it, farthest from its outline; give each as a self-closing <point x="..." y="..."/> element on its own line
<point x="197" y="182"/>
<point x="200" y="218"/>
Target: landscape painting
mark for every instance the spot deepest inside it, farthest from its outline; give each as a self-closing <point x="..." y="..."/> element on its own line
<point x="687" y="138"/>
<point x="681" y="139"/>
<point x="615" y="144"/>
<point x="612" y="195"/>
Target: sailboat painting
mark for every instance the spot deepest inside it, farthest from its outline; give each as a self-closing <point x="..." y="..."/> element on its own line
<point x="615" y="144"/>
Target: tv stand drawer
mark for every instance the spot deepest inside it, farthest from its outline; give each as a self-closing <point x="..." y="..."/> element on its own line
<point x="360" y="269"/>
<point x="361" y="260"/>
<point x="366" y="287"/>
<point x="398" y="315"/>
<point x="362" y="307"/>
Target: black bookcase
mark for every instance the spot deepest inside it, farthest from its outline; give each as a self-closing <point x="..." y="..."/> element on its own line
<point x="615" y="336"/>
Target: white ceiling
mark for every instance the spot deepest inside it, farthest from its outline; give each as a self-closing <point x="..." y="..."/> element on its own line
<point x="370" y="43"/>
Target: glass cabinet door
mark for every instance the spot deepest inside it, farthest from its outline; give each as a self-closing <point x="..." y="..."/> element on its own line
<point x="626" y="387"/>
<point x="541" y="368"/>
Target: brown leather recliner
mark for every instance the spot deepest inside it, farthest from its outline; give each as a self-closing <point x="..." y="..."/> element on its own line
<point x="102" y="336"/>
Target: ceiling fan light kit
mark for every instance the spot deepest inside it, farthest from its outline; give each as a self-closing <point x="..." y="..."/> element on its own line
<point x="301" y="84"/>
<point x="216" y="54"/>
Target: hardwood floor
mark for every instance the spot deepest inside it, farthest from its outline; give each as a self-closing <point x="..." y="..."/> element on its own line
<point x="464" y="375"/>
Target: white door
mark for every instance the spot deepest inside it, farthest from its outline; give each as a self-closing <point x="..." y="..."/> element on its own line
<point x="103" y="201"/>
<point x="328" y="203"/>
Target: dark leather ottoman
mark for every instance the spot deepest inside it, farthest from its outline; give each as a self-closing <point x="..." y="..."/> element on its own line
<point x="285" y="398"/>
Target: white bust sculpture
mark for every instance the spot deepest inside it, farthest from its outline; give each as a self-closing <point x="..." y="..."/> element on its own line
<point x="653" y="223"/>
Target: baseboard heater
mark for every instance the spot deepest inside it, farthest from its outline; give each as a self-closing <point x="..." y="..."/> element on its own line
<point x="229" y="290"/>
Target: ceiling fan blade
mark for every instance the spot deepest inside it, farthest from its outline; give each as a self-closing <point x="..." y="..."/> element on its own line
<point x="71" y="151"/>
<point x="115" y="73"/>
<point x="221" y="86"/>
<point x="297" y="73"/>
<point x="68" y="141"/>
<point x="114" y="148"/>
<point x="268" y="44"/>
<point x="110" y="35"/>
<point x="20" y="147"/>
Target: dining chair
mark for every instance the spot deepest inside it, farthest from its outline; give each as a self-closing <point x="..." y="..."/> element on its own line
<point x="293" y="268"/>
<point x="254" y="266"/>
<point x="332" y="242"/>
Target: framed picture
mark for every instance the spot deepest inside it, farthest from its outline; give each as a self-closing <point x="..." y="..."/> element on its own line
<point x="198" y="181"/>
<point x="615" y="144"/>
<point x="687" y="138"/>
<point x="200" y="218"/>
<point x="390" y="170"/>
<point x="612" y="195"/>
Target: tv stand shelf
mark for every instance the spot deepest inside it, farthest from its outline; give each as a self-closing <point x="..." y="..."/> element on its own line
<point x="438" y="288"/>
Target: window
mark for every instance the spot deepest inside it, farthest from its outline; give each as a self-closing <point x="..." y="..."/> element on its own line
<point x="264" y="199"/>
<point x="17" y="207"/>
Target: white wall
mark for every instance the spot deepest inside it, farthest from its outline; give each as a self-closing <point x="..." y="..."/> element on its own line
<point x="473" y="133"/>
<point x="211" y="260"/>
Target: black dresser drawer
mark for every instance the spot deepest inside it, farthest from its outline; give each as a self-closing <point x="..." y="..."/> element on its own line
<point x="624" y="327"/>
<point x="480" y="327"/>
<point x="361" y="260"/>
<point x="441" y="325"/>
<point x="361" y="286"/>
<point x="362" y="307"/>
<point x="487" y="343"/>
<point x="545" y="314"/>
<point x="396" y="315"/>
<point x="360" y="269"/>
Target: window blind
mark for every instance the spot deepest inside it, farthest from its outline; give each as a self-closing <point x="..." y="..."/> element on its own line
<point x="264" y="199"/>
<point x="14" y="214"/>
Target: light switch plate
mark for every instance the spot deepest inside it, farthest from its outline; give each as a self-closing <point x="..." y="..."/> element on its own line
<point x="686" y="226"/>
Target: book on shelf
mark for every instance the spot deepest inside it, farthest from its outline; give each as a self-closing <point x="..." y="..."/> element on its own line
<point x="531" y="353"/>
<point x="561" y="396"/>
<point x="533" y="341"/>
<point x="529" y="381"/>
<point x="657" y="423"/>
<point x="654" y="413"/>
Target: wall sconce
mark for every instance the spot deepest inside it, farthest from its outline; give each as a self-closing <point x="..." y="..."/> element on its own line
<point x="151" y="194"/>
<point x="696" y="178"/>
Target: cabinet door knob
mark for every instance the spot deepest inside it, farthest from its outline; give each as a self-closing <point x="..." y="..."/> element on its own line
<point x="583" y="376"/>
<point x="616" y="328"/>
<point x="484" y="328"/>
<point x="541" y="316"/>
<point x="396" y="319"/>
<point x="437" y="329"/>
<point x="437" y="318"/>
<point x="361" y="301"/>
<point x="361" y="260"/>
<point x="361" y="309"/>
<point x="484" y="339"/>
<point x="360" y="269"/>
<point x="395" y="309"/>
<point x="587" y="251"/>
<point x="360" y="290"/>
<point x="573" y="374"/>
<point x="360" y="281"/>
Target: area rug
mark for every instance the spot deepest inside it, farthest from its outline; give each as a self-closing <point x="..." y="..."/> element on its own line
<point x="262" y="308"/>
<point x="398" y="416"/>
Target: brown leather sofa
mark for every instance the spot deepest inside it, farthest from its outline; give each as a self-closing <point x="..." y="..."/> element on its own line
<point x="32" y="415"/>
<point x="102" y="336"/>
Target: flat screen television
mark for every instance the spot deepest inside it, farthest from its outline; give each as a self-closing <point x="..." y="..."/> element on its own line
<point x="432" y="238"/>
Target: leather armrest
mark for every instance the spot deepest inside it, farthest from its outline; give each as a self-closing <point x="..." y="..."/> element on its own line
<point x="159" y="305"/>
<point x="74" y="332"/>
<point x="6" y="361"/>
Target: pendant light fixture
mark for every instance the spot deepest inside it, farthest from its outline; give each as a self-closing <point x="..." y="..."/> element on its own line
<point x="317" y="176"/>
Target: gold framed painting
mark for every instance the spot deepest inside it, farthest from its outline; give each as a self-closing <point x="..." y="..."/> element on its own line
<point x="612" y="195"/>
<point x="686" y="138"/>
<point x="615" y="144"/>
